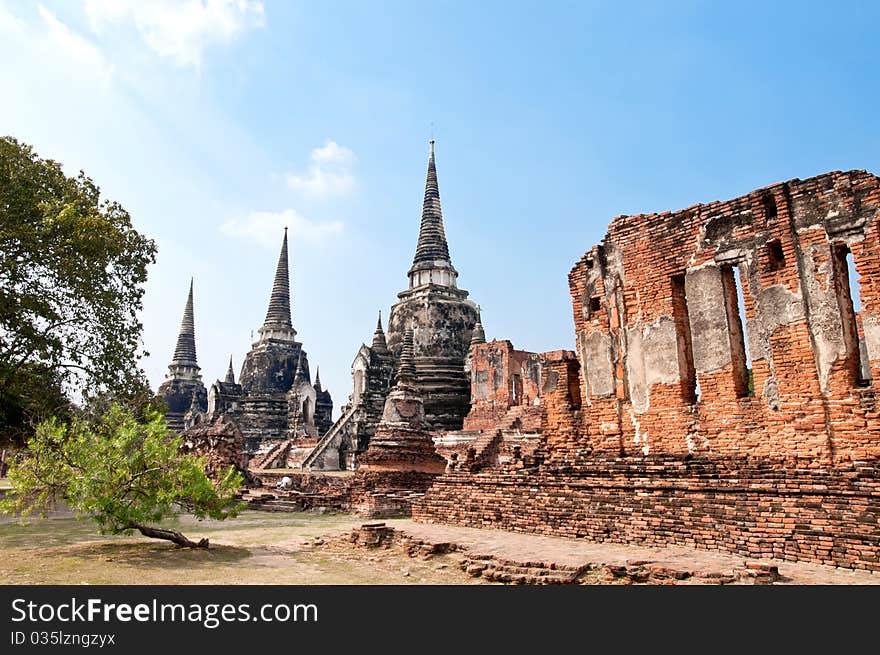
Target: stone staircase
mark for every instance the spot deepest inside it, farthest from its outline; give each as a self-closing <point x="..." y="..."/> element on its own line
<point x="333" y="434"/>
<point x="487" y="446"/>
<point x="522" y="417"/>
<point x="275" y="452"/>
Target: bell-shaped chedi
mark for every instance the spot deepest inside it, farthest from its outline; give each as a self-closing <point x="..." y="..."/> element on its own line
<point x="402" y="441"/>
<point x="278" y="400"/>
<point x="441" y="316"/>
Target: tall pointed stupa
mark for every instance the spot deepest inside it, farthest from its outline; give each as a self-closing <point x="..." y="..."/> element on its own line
<point x="275" y="361"/>
<point x="421" y="356"/>
<point x="183" y="386"/>
<point x="278" y="323"/>
<point x="431" y="262"/>
<point x="440" y="314"/>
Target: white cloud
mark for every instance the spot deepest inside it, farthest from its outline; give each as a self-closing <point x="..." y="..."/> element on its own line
<point x="329" y="174"/>
<point x="179" y="30"/>
<point x="9" y="23"/>
<point x="73" y="46"/>
<point x="266" y="227"/>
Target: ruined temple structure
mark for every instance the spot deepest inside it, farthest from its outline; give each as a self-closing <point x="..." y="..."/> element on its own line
<point x="504" y="422"/>
<point x="224" y="397"/>
<point x="723" y="392"/>
<point x="221" y="443"/>
<point x="183" y="391"/>
<point x="400" y="462"/>
<point x="274" y="403"/>
<point x="442" y="319"/>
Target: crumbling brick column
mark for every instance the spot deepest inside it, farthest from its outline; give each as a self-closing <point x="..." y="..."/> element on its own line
<point x="561" y="399"/>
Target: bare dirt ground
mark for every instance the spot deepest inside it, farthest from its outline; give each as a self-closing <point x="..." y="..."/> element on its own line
<point x="255" y="548"/>
<point x="309" y="548"/>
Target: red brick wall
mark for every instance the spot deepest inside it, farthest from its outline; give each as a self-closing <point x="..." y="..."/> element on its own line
<point x="652" y="434"/>
<point x="750" y="509"/>
<point x="813" y="422"/>
<point x="501" y="377"/>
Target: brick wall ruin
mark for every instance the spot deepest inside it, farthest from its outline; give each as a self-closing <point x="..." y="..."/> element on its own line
<point x="722" y="394"/>
<point x="504" y="422"/>
<point x="503" y="378"/>
<point x="659" y="326"/>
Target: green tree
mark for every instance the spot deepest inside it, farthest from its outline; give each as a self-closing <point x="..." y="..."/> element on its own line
<point x="123" y="473"/>
<point x="72" y="270"/>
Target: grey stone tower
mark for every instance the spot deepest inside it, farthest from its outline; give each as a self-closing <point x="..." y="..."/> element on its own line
<point x="269" y="368"/>
<point x="441" y="316"/>
<point x="183" y="388"/>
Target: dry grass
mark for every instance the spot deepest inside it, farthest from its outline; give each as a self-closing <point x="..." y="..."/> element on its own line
<point x="255" y="548"/>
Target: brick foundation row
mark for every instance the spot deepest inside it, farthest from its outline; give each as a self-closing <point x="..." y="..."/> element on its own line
<point x="760" y="510"/>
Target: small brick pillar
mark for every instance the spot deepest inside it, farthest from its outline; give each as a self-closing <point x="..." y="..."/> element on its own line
<point x="560" y="397"/>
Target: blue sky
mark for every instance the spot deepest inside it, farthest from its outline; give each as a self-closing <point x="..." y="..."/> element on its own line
<point x="215" y="123"/>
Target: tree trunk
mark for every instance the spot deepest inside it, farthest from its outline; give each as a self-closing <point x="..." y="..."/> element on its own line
<point x="170" y="535"/>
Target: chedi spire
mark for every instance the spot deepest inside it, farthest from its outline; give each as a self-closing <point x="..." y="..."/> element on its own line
<point x="479" y="334"/>
<point x="278" y="323"/>
<point x="406" y="373"/>
<point x="379" y="344"/>
<point x="432" y="263"/>
<point x="300" y="373"/>
<point x="185" y="350"/>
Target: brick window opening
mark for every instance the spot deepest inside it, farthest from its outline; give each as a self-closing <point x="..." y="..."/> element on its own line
<point x="690" y="391"/>
<point x="775" y="256"/>
<point x="846" y="286"/>
<point x="769" y="203"/>
<point x="595" y="304"/>
<point x="743" y="382"/>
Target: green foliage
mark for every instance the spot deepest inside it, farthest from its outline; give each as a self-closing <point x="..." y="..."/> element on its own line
<point x="72" y="270"/>
<point x="37" y="393"/>
<point x="124" y="473"/>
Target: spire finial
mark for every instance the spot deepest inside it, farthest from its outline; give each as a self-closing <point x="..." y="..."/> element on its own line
<point x="379" y="345"/>
<point x="432" y="251"/>
<point x="406" y="372"/>
<point x="185" y="350"/>
<point x="278" y="314"/>
<point x="478" y="335"/>
<point x="299" y="374"/>
<point x="230" y="374"/>
<point x="318" y="379"/>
